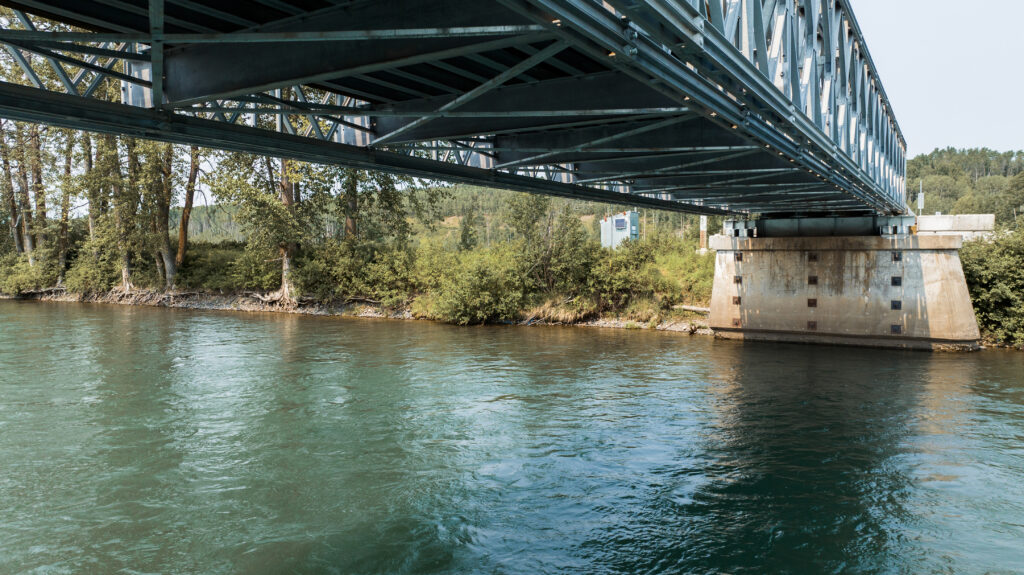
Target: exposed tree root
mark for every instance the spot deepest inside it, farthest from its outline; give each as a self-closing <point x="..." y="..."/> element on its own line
<point x="279" y="298"/>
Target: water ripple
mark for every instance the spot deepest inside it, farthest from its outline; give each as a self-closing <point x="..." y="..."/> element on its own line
<point x="162" y="441"/>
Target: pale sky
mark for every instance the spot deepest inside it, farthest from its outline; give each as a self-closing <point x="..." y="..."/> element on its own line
<point x="953" y="71"/>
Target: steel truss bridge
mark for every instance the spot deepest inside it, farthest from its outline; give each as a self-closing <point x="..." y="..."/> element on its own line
<point x="709" y="106"/>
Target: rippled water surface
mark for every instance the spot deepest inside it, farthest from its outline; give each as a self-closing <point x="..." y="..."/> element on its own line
<point x="141" y="440"/>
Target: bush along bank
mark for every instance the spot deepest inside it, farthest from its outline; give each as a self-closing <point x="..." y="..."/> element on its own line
<point x="995" y="277"/>
<point x="525" y="280"/>
<point x="94" y="216"/>
<point x="644" y="283"/>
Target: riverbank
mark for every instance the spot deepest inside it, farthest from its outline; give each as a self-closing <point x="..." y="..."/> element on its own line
<point x="251" y="303"/>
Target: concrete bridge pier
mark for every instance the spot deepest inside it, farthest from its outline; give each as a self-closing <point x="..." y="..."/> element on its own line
<point x="867" y="281"/>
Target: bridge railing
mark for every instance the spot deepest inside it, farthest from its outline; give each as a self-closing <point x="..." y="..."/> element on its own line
<point x="801" y="64"/>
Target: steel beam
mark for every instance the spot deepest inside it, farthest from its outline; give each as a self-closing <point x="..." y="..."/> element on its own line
<point x="32" y="105"/>
<point x="776" y="93"/>
<point x="475" y="93"/>
<point x="274" y="37"/>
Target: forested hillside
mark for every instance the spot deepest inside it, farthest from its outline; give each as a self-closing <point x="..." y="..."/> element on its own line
<point x="969" y="182"/>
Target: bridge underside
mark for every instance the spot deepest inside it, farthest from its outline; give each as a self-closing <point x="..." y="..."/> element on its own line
<point x="764" y="106"/>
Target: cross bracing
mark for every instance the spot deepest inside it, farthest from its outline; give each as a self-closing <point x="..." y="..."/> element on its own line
<point x="719" y="106"/>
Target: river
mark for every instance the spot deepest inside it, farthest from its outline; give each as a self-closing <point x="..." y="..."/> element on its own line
<point x="145" y="440"/>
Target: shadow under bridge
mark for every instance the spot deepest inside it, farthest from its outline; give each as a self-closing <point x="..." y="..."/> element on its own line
<point x="722" y="106"/>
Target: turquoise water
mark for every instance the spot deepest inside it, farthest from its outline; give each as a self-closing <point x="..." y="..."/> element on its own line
<point x="139" y="440"/>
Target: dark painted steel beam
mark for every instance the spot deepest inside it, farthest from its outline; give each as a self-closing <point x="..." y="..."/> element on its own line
<point x="447" y="76"/>
<point x="33" y="105"/>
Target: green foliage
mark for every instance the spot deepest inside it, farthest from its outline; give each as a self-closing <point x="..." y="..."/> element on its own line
<point x="6" y="241"/>
<point x="627" y="274"/>
<point x="97" y="267"/>
<point x="18" y="276"/>
<point x="570" y="254"/>
<point x="942" y="192"/>
<point x="209" y="266"/>
<point x="258" y="268"/>
<point x="211" y="224"/>
<point x="468" y="224"/>
<point x="1010" y="205"/>
<point x="995" y="278"/>
<point x="432" y="265"/>
<point x="266" y="221"/>
<point x="972" y="163"/>
<point x="526" y="215"/>
<point x="354" y="270"/>
<point x="969" y="181"/>
<point x="485" y="286"/>
<point x="388" y="277"/>
<point x="689" y="275"/>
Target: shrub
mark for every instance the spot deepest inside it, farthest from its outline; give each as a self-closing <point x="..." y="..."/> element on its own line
<point x="388" y="277"/>
<point x="256" y="269"/>
<point x="209" y="266"/>
<point x="325" y="271"/>
<point x="432" y="265"/>
<point x="995" y="278"/>
<point x="625" y="274"/>
<point x="339" y="269"/>
<point x="688" y="276"/>
<point x="17" y="276"/>
<point x="485" y="287"/>
<point x="96" y="268"/>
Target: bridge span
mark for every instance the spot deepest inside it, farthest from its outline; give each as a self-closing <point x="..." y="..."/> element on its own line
<point x="770" y="108"/>
<point x="709" y="106"/>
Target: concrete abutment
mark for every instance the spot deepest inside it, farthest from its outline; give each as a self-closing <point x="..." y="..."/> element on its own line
<point x="895" y="291"/>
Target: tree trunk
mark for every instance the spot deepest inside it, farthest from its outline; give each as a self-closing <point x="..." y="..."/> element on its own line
<point x="351" y="203"/>
<point x="65" y="209"/>
<point x="24" y="203"/>
<point x="287" y="249"/>
<point x="163" y="215"/>
<point x="9" y="200"/>
<point x="92" y="193"/>
<point x="161" y="269"/>
<point x="35" y="160"/>
<point x="124" y="206"/>
<point x="186" y="212"/>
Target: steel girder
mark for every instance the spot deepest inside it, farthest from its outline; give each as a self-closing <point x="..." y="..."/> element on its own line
<point x="767" y="106"/>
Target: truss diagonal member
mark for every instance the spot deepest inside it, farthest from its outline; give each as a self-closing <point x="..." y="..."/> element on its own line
<point x="480" y="90"/>
<point x="156" y="31"/>
<point x="282" y="6"/>
<point x="94" y="51"/>
<point x="224" y="87"/>
<point x="103" y="70"/>
<point x="99" y="77"/>
<point x="302" y="109"/>
<point x="713" y="160"/>
<point x="71" y="87"/>
<point x="25" y="66"/>
<point x="35" y="6"/>
<point x="598" y="141"/>
<point x="82" y="72"/>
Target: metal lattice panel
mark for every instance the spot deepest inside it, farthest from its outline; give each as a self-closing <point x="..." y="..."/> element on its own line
<point x="757" y="106"/>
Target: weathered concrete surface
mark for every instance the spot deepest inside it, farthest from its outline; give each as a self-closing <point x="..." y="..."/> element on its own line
<point x="967" y="226"/>
<point x="842" y="290"/>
